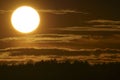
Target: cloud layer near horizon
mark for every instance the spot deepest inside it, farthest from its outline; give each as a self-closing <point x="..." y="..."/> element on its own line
<point x="19" y="55"/>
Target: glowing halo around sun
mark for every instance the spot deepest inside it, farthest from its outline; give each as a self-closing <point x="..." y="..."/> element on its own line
<point x="25" y="19"/>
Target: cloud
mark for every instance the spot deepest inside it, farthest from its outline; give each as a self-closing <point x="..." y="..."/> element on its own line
<point x="67" y="11"/>
<point x="61" y="11"/>
<point x="104" y="25"/>
<point x="5" y="11"/>
<point x="23" y="55"/>
<point x="102" y="21"/>
<point x="41" y="38"/>
<point x="93" y="25"/>
<point x="90" y="28"/>
<point x="71" y="41"/>
<point x="56" y="51"/>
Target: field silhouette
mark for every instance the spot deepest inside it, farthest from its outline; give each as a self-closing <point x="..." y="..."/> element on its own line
<point x="52" y="70"/>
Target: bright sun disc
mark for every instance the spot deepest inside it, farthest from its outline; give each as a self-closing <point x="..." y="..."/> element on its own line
<point x="25" y="19"/>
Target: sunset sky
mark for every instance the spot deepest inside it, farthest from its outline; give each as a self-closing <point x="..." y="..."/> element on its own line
<point x="69" y="29"/>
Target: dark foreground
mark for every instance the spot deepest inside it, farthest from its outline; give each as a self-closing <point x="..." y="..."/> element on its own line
<point x="51" y="70"/>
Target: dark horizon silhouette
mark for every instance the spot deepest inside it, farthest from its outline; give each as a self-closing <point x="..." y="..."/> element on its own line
<point x="52" y="70"/>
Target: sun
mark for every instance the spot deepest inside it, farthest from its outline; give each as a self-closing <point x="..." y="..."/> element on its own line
<point x="25" y="19"/>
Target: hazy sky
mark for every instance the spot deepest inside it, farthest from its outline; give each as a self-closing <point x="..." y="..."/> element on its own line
<point x="75" y="29"/>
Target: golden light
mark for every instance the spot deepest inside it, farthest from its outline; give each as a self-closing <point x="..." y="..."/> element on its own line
<point x="25" y="19"/>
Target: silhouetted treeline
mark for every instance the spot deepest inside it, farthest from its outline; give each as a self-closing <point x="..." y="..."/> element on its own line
<point x="52" y="70"/>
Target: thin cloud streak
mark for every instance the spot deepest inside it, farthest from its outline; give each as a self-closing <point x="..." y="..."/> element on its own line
<point x="93" y="25"/>
<point x="59" y="12"/>
<point x="62" y="11"/>
<point x="43" y="38"/>
<point x="91" y="28"/>
<point x="5" y="11"/>
<point x="102" y="21"/>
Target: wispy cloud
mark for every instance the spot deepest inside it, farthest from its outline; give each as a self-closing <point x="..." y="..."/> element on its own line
<point x="67" y="11"/>
<point x="93" y="25"/>
<point x="62" y="11"/>
<point x="5" y="11"/>
<point x="56" y="38"/>
<point x="91" y="28"/>
<point x="109" y="25"/>
<point x="102" y="21"/>
<point x="71" y="41"/>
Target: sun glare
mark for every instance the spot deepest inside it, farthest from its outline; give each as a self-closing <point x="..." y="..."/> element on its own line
<point x="25" y="19"/>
